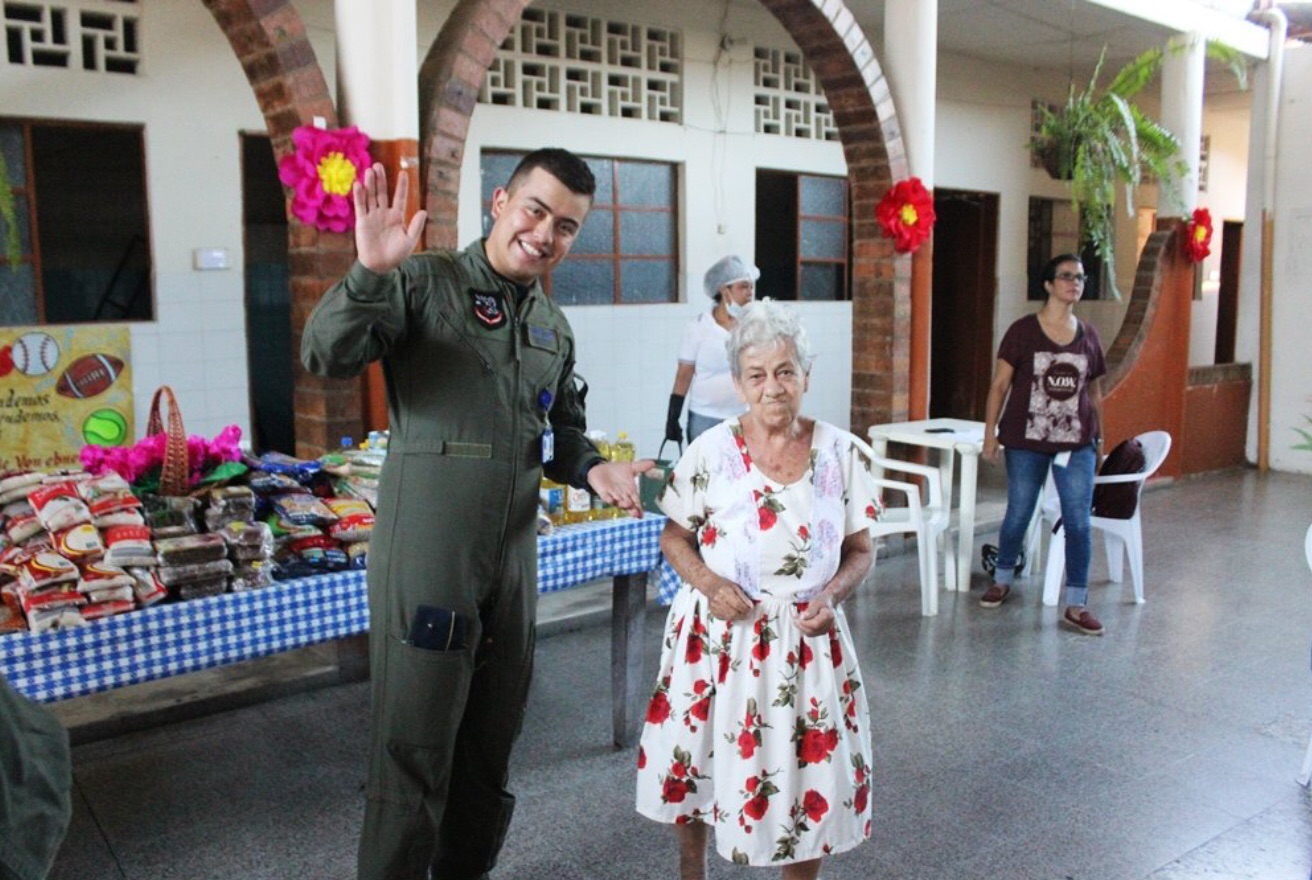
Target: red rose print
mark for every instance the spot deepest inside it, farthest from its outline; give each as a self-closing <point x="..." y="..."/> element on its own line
<point x="709" y="534"/>
<point x="724" y="665"/>
<point x="658" y="710"/>
<point x="805" y="655"/>
<point x="803" y="533"/>
<point x="862" y="796"/>
<point x="756" y="807"/>
<point x="768" y="517"/>
<point x="761" y="649"/>
<point x="678" y="770"/>
<point x="700" y="709"/>
<point x="747" y="748"/>
<point x="642" y="757"/>
<point x="835" y="650"/>
<point x="752" y="784"/>
<point x="831" y="739"/>
<point x="693" y="652"/>
<point x="815" y="805"/>
<point x="813" y="747"/>
<point x="674" y="790"/>
<point x="871" y="513"/>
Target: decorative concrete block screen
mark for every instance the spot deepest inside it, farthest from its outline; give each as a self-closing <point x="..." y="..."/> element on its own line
<point x="95" y="35"/>
<point x="582" y="64"/>
<point x="789" y="99"/>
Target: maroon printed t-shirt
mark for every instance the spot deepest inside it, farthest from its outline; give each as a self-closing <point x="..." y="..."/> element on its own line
<point x="1048" y="407"/>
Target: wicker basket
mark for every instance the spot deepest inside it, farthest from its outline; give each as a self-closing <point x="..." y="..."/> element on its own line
<point x="173" y="475"/>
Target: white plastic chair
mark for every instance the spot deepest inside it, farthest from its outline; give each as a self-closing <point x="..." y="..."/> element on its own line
<point x="1121" y="537"/>
<point x="1305" y="775"/>
<point x="924" y="517"/>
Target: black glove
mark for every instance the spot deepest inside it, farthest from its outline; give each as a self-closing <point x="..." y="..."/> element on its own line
<point x="673" y="431"/>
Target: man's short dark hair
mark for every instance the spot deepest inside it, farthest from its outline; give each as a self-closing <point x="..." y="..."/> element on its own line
<point x="563" y="165"/>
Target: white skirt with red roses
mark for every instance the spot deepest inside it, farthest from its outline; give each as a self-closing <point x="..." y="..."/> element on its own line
<point x="759" y="731"/>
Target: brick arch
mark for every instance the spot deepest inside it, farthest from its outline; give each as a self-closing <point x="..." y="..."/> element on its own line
<point x="858" y="93"/>
<point x="269" y="39"/>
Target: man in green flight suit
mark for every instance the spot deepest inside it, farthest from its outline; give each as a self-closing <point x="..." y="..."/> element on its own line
<point x="36" y="783"/>
<point x="479" y="366"/>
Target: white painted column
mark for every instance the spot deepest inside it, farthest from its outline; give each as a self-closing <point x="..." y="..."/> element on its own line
<point x="1182" y="115"/>
<point x="910" y="62"/>
<point x="377" y="67"/>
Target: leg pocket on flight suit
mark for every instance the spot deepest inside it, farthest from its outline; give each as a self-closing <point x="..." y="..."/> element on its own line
<point x="424" y="702"/>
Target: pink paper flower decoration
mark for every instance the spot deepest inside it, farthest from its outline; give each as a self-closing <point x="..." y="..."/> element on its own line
<point x="906" y="214"/>
<point x="321" y="172"/>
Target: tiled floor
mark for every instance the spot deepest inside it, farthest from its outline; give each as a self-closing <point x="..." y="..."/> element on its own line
<point x="1005" y="748"/>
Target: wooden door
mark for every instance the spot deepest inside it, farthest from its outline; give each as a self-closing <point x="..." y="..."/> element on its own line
<point x="1227" y="305"/>
<point x="964" y="293"/>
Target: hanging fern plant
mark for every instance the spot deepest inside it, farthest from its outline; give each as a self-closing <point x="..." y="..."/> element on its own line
<point x="8" y="214"/>
<point x="1099" y="140"/>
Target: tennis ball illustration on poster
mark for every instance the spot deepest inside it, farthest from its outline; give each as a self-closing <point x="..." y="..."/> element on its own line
<point x="61" y="388"/>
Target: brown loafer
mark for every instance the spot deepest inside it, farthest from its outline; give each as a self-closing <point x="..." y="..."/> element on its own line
<point x="1081" y="621"/>
<point x="995" y="595"/>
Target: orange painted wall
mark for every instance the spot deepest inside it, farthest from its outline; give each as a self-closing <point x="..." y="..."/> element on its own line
<point x="1149" y="361"/>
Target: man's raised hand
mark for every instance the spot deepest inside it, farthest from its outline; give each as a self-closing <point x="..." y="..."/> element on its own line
<point x="382" y="238"/>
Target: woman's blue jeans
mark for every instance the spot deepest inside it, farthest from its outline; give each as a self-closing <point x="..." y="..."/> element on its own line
<point x="1026" y="474"/>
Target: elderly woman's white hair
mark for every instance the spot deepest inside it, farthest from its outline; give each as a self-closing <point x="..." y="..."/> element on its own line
<point x="766" y="323"/>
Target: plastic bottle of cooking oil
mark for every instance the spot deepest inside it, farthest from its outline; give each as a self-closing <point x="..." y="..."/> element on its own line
<point x="622" y="449"/>
<point x="552" y="498"/>
<point x="578" y="505"/>
<point x="600" y="509"/>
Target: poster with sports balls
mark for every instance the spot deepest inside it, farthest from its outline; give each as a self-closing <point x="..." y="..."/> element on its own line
<point x="62" y="387"/>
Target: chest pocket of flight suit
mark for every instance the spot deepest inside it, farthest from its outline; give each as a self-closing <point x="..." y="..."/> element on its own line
<point x="542" y="352"/>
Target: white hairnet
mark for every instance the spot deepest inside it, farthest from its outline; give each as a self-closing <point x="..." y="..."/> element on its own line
<point x="727" y="270"/>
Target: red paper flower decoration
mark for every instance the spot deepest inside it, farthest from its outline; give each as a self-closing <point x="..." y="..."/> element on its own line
<point x="321" y="172"/>
<point x="906" y="214"/>
<point x="1198" y="235"/>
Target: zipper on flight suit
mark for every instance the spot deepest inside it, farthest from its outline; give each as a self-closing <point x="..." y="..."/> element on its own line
<point x="512" y="309"/>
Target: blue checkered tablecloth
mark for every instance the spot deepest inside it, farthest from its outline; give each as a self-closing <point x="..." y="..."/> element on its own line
<point x="176" y="638"/>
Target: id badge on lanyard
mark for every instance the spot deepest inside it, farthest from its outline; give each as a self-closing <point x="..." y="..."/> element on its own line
<point x="548" y="435"/>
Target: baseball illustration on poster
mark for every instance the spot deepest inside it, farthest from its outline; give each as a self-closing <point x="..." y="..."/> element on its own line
<point x="62" y="387"/>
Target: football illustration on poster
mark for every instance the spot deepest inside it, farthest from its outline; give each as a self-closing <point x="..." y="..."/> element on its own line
<point x="89" y="375"/>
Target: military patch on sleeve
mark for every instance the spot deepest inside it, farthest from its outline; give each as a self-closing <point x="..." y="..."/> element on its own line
<point x="487" y="308"/>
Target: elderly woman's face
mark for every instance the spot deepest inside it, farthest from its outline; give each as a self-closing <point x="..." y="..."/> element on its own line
<point x="771" y="382"/>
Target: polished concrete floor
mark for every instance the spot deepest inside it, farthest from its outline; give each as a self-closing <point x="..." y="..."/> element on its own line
<point x="1004" y="746"/>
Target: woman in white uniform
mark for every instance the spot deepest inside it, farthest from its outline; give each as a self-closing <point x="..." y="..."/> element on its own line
<point x="703" y="375"/>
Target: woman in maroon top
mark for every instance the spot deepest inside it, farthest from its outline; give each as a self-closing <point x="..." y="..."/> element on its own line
<point x="1045" y="410"/>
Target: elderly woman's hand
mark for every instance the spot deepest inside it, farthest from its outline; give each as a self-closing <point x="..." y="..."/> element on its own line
<point x="818" y="617"/>
<point x="727" y="600"/>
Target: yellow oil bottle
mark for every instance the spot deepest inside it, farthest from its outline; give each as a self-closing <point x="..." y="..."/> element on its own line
<point x="600" y="509"/>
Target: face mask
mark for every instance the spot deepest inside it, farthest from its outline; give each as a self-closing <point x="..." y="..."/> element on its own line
<point x="735" y="311"/>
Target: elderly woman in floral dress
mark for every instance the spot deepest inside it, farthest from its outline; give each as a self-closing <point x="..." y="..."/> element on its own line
<point x="758" y="727"/>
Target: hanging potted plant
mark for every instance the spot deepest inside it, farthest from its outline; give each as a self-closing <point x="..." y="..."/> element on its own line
<point x="1099" y="140"/>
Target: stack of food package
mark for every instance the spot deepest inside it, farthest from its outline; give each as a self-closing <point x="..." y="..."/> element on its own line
<point x="62" y="556"/>
<point x="75" y="547"/>
<point x="316" y="530"/>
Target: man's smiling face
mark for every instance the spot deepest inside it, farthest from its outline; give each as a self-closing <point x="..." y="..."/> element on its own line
<point x="536" y="222"/>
